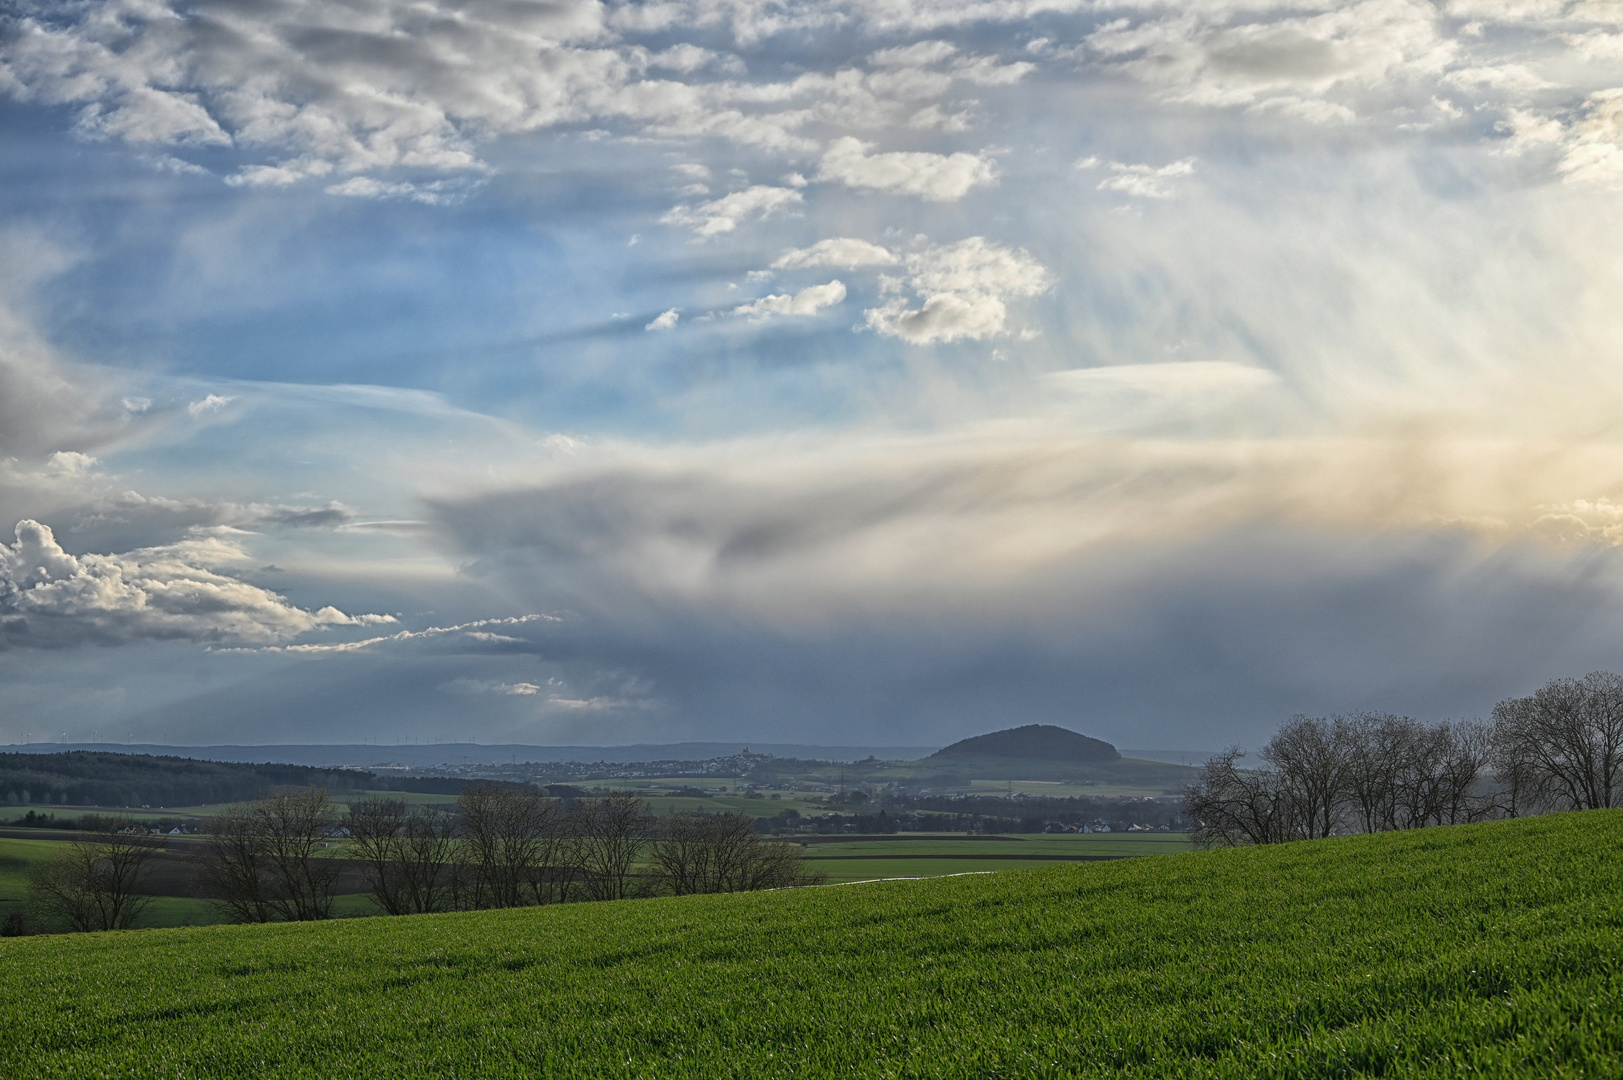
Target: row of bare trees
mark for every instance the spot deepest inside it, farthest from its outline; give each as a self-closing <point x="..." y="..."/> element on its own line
<point x="281" y="858"/>
<point x="1560" y="748"/>
<point x="264" y="861"/>
<point x="503" y="846"/>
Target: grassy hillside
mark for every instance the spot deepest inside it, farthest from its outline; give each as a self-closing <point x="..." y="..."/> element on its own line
<point x="1477" y="951"/>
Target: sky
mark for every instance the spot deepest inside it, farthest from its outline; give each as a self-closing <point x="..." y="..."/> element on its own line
<point x="858" y="373"/>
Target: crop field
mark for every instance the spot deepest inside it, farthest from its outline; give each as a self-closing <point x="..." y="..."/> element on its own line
<point x="1059" y="789"/>
<point x="170" y="886"/>
<point x="1482" y="951"/>
<point x="903" y="855"/>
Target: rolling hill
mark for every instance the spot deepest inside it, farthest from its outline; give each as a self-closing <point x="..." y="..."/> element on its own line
<point x="1481" y="951"/>
<point x="1033" y="742"/>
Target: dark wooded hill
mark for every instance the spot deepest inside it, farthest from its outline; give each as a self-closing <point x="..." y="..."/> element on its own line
<point x="1036" y="742"/>
<point x="1048" y="753"/>
<point x="89" y="778"/>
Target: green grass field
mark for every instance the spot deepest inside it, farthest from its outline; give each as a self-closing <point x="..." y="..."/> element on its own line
<point x="1480" y="951"/>
<point x="903" y="855"/>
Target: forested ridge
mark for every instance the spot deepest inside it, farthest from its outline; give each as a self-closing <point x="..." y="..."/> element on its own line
<point x="92" y="778"/>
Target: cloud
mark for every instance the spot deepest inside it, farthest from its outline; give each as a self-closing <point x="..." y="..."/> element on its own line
<point x="936" y="177"/>
<point x="989" y="71"/>
<point x="1515" y="78"/>
<point x="943" y="317"/>
<point x="808" y="301"/>
<point x="364" y="187"/>
<point x="352" y="94"/>
<point x="210" y="404"/>
<point x="987" y="521"/>
<point x="687" y="58"/>
<point x="964" y="287"/>
<point x="843" y="252"/>
<point x="725" y="214"/>
<point x="295" y="92"/>
<point x="1202" y="377"/>
<point x="1364" y="320"/>
<point x="1220" y="55"/>
<point x="490" y="686"/>
<point x="1146" y="181"/>
<point x="49" y="598"/>
<point x="1586" y="143"/>
<point x="375" y="85"/>
<point x="1592" y="147"/>
<point x="466" y="632"/>
<point x="1596" y="45"/>
<point x="93" y="510"/>
<point x="918" y="54"/>
<point x="46" y="403"/>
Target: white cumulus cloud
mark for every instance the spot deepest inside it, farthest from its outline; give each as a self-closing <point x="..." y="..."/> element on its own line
<point x="1227" y="55"/>
<point x="209" y="404"/>
<point x="49" y="597"/>
<point x="964" y="288"/>
<point x="1146" y="181"/>
<point x="841" y="251"/>
<point x="808" y="301"/>
<point x="1593" y="145"/>
<point x="725" y="214"/>
<point x="936" y="177"/>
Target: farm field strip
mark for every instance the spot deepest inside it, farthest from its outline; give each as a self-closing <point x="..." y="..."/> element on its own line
<point x="979" y="857"/>
<point x="1059" y="789"/>
<point x="1111" y="844"/>
<point x="1482" y="951"/>
<point x="843" y="871"/>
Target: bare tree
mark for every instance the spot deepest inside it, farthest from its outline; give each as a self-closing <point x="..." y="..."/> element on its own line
<point x="614" y="831"/>
<point x="774" y="864"/>
<point x="263" y="860"/>
<point x="375" y="829"/>
<point x="1232" y="806"/>
<point x="1379" y="750"/>
<point x="408" y="855"/>
<point x="428" y="852"/>
<point x="1562" y="746"/>
<point x="1374" y="772"/>
<point x="686" y="854"/>
<point x="92" y="885"/>
<point x="713" y="853"/>
<point x="1523" y="789"/>
<point x="296" y="826"/>
<point x="511" y="837"/>
<point x="1312" y="757"/>
<point x="230" y="866"/>
<point x="1463" y="749"/>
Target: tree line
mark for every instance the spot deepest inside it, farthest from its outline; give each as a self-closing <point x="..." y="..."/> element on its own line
<point x="109" y="779"/>
<point x="281" y="858"/>
<point x="98" y="778"/>
<point x="1559" y="748"/>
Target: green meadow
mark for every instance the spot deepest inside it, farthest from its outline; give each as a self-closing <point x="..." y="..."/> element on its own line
<point x="1483" y="951"/>
<point x="913" y="855"/>
<point x="840" y="860"/>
